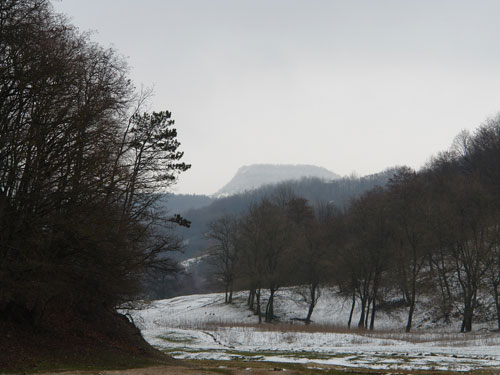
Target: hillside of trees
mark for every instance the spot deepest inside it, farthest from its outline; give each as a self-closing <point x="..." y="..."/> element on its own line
<point x="79" y="163"/>
<point x="179" y="203"/>
<point x="198" y="278"/>
<point x="315" y="190"/>
<point x="433" y="234"/>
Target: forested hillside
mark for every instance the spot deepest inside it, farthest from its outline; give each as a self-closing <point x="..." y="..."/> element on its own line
<point x="199" y="276"/>
<point x="79" y="161"/>
<point x="318" y="192"/>
<point x="180" y="203"/>
<point x="431" y="234"/>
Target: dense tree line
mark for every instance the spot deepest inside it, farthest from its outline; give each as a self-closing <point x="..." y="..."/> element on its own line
<point x="79" y="162"/>
<point x="316" y="191"/>
<point x="432" y="233"/>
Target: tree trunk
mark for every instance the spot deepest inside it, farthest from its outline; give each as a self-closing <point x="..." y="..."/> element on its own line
<point x="445" y="306"/>
<point x="367" y="314"/>
<point x="470" y="300"/>
<point x="270" y="307"/>
<point x="226" y="294"/>
<point x="251" y="299"/>
<point x="410" y="315"/>
<point x="312" y="304"/>
<point x="361" y="323"/>
<point x="374" y="309"/>
<point x="230" y="299"/>
<point x="412" y="302"/>
<point x="497" y="303"/>
<point x="374" y="295"/>
<point x="447" y="297"/>
<point x="352" y="310"/>
<point x="257" y="293"/>
<point x="467" y="321"/>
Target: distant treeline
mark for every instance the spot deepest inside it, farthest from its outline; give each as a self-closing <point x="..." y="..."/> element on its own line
<point x="180" y="203"/>
<point x="315" y="190"/>
<point x="198" y="279"/>
<point x="434" y="233"/>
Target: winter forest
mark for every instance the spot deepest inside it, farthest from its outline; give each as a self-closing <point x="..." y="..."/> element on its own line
<point x="90" y="247"/>
<point x="432" y="233"/>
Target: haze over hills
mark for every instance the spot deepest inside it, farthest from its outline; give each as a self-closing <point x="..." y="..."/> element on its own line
<point x="201" y="210"/>
<point x="250" y="177"/>
<point x="178" y="203"/>
<point x="247" y="179"/>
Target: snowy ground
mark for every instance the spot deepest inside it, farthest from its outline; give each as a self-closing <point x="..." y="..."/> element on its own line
<point x="203" y="327"/>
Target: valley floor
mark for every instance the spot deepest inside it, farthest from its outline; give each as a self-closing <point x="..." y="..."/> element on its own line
<point x="233" y="368"/>
<point x="202" y="327"/>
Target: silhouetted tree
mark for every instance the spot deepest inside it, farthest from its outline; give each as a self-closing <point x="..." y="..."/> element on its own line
<point x="315" y="238"/>
<point x="224" y="251"/>
<point x="76" y="170"/>
<point x="409" y="208"/>
<point x="372" y="232"/>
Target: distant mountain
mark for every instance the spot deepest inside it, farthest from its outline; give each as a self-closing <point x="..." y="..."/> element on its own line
<point x="251" y="177"/>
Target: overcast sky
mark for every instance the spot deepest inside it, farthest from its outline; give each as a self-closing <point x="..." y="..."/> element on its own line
<point x="352" y="86"/>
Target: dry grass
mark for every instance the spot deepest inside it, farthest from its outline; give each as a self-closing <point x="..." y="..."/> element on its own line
<point x="440" y="337"/>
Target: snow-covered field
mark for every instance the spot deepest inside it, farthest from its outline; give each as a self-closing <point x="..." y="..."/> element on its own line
<point x="203" y="327"/>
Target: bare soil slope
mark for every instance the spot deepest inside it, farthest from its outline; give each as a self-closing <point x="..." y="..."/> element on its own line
<point x="68" y="340"/>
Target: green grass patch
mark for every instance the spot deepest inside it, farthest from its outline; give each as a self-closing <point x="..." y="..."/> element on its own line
<point x="312" y="369"/>
<point x="257" y="359"/>
<point x="288" y="354"/>
<point x="177" y="339"/>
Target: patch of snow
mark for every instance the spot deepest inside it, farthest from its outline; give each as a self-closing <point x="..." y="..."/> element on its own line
<point x="204" y="327"/>
<point x="192" y="261"/>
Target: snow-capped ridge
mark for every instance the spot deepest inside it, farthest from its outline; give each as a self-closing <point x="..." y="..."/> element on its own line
<point x="250" y="177"/>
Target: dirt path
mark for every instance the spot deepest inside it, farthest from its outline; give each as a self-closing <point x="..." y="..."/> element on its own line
<point x="190" y="370"/>
<point x="255" y="368"/>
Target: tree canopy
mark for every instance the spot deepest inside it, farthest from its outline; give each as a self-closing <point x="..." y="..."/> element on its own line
<point x="79" y="161"/>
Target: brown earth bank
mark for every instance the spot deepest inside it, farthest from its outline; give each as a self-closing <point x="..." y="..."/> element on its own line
<point x="67" y="340"/>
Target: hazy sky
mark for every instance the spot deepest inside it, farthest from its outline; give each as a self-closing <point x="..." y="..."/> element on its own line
<point x="347" y="85"/>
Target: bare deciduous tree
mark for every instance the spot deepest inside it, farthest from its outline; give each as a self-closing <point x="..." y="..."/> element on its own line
<point x="224" y="251"/>
<point x="75" y="179"/>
